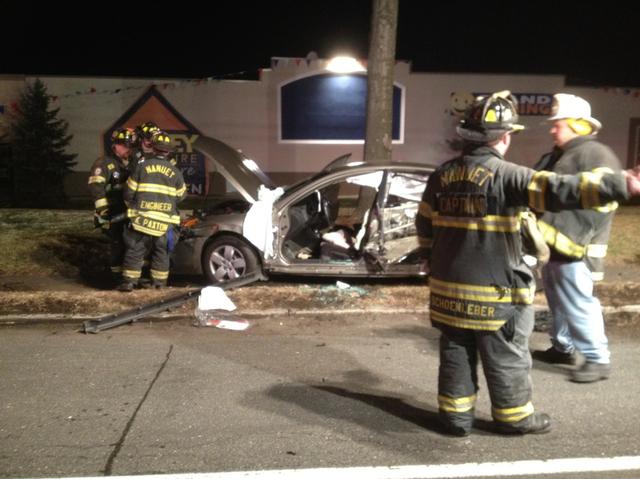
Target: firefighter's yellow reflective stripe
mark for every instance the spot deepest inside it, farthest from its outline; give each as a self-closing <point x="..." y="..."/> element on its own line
<point x="463" y="404"/>
<point x="490" y="294"/>
<point x="597" y="275"/>
<point x="424" y="209"/>
<point x="466" y="323"/>
<point x="501" y="224"/>
<point x="161" y="189"/>
<point x="101" y="202"/>
<point x="425" y="242"/>
<point x="512" y="414"/>
<point x="596" y="250"/>
<point x="608" y="208"/>
<point x="155" y="274"/>
<point x="603" y="169"/>
<point x="116" y="269"/>
<point x="132" y="184"/>
<point x="130" y="273"/>
<point x="154" y="215"/>
<point x="590" y="189"/>
<point x="561" y="242"/>
<point x="96" y="179"/>
<point x="180" y="191"/>
<point x="537" y="188"/>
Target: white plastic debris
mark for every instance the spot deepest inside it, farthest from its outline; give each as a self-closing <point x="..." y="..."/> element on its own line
<point x="213" y="297"/>
<point x="239" y="325"/>
<point x="214" y="308"/>
<point x="342" y="285"/>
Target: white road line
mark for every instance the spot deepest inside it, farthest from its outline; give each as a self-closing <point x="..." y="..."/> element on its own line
<point x="487" y="469"/>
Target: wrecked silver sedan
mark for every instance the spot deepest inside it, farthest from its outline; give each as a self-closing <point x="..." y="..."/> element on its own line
<point x="351" y="219"/>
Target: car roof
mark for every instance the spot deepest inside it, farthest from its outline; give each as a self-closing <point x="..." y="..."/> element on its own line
<point x="245" y="175"/>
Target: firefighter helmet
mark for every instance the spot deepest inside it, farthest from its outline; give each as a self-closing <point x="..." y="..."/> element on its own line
<point x="124" y="136"/>
<point x="577" y="112"/>
<point x="146" y="130"/>
<point x="161" y="142"/>
<point x="490" y="117"/>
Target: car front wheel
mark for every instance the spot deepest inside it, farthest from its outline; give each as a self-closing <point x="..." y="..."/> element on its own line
<point x="227" y="258"/>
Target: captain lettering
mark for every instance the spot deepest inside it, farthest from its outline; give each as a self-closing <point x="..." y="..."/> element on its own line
<point x="163" y="170"/>
<point x="478" y="175"/>
<point x="463" y="204"/>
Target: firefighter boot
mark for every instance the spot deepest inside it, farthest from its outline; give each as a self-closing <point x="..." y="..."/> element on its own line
<point x="538" y="423"/>
<point x="458" y="425"/>
<point x="126" y="286"/>
<point x="591" y="372"/>
<point x="159" y="284"/>
<point x="553" y="356"/>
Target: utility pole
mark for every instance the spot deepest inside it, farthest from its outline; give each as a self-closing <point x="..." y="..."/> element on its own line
<point x="380" y="76"/>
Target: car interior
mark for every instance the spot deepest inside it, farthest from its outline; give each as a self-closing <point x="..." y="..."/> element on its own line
<point x="345" y="222"/>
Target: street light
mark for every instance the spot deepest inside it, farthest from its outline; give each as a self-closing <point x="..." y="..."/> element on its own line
<point x="344" y="64"/>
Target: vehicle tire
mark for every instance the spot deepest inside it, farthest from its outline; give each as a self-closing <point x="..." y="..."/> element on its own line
<point x="228" y="257"/>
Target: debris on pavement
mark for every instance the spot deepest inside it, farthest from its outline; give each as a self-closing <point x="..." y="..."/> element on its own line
<point x="215" y="309"/>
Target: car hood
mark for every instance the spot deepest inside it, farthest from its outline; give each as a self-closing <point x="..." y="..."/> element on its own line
<point x="242" y="172"/>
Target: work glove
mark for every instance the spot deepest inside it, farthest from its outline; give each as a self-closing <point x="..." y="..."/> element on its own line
<point x="101" y="219"/>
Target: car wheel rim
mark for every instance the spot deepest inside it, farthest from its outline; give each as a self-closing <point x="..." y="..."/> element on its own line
<point x="227" y="263"/>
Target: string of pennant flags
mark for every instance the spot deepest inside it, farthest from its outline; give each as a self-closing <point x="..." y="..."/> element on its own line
<point x="276" y="62"/>
<point x="162" y="86"/>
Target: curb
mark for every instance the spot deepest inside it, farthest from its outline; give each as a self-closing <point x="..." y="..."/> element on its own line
<point x="16" y="319"/>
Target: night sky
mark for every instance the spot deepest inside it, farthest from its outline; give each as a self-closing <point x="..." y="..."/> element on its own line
<point x="591" y="45"/>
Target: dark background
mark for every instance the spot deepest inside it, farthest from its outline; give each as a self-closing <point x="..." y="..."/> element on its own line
<point x="591" y="45"/>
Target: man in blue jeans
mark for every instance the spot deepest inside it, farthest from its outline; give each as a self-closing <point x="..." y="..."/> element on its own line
<point x="578" y="242"/>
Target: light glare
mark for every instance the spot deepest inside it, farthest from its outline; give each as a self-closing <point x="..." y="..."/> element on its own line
<point x="344" y="65"/>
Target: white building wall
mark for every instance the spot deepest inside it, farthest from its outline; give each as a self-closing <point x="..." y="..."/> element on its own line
<point x="245" y="114"/>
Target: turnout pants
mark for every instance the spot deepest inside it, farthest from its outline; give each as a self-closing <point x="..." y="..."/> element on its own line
<point x="506" y="363"/>
<point x="116" y="246"/>
<point x="138" y="246"/>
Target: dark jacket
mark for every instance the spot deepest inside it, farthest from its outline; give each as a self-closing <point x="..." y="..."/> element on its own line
<point x="107" y="181"/>
<point x="580" y="234"/>
<point x="469" y="218"/>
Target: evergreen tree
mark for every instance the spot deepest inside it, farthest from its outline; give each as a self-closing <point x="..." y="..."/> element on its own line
<point x="38" y="140"/>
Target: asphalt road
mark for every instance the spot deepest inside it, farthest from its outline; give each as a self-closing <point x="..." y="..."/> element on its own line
<point x="288" y="393"/>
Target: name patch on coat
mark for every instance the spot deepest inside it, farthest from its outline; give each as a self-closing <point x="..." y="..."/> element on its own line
<point x="475" y="205"/>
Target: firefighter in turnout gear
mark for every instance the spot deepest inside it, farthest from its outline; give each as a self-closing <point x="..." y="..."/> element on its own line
<point x="153" y="191"/>
<point x="481" y="290"/>
<point x="578" y="241"/>
<point x="144" y="149"/>
<point x="107" y="181"/>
